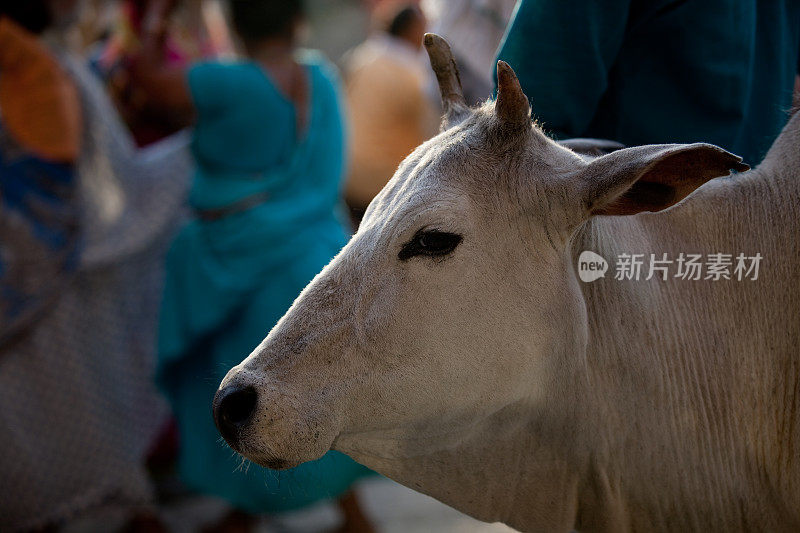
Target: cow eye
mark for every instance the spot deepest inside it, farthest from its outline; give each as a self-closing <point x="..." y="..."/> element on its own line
<point x="432" y="243"/>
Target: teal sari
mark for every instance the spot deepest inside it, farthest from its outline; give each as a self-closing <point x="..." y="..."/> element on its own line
<point x="230" y="277"/>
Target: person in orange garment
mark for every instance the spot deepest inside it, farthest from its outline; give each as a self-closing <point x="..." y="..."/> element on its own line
<point x="390" y="113"/>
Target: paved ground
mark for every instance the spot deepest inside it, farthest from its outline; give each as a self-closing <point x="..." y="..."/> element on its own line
<point x="392" y="508"/>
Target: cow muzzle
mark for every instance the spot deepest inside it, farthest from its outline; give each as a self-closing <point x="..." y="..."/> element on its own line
<point x="233" y="410"/>
<point x="270" y="422"/>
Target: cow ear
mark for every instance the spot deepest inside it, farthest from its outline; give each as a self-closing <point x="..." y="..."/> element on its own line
<point x="651" y="178"/>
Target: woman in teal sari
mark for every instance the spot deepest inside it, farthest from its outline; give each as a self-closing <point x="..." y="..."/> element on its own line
<point x="269" y="147"/>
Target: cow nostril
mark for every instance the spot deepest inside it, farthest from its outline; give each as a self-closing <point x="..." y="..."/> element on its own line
<point x="236" y="407"/>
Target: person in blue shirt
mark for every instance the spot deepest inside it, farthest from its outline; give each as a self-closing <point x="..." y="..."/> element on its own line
<point x="269" y="147"/>
<point x="659" y="71"/>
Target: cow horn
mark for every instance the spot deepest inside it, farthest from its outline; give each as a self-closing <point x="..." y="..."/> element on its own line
<point x="512" y="105"/>
<point x="446" y="70"/>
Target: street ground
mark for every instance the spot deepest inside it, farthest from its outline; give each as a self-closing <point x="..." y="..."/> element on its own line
<point x="391" y="507"/>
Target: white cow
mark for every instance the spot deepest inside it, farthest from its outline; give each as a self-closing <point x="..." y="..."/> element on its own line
<point x="452" y="346"/>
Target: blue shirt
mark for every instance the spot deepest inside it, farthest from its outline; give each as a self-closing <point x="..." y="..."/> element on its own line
<point x="659" y="71"/>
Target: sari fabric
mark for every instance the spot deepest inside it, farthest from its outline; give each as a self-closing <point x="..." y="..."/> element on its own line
<point x="231" y="279"/>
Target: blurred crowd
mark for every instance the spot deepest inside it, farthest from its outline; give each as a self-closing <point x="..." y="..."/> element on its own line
<point x="174" y="172"/>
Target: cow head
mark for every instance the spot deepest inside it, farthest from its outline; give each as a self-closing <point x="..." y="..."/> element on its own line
<point x="457" y="295"/>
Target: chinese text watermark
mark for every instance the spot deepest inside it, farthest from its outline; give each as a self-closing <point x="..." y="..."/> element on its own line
<point x="716" y="266"/>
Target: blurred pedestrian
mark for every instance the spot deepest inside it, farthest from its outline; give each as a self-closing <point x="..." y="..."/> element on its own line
<point x="666" y="71"/>
<point x="269" y="146"/>
<point x="85" y="220"/>
<point x="198" y="34"/>
<point x="473" y="29"/>
<point x="390" y="112"/>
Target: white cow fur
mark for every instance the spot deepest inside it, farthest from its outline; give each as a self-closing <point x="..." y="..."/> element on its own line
<point x="497" y="382"/>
